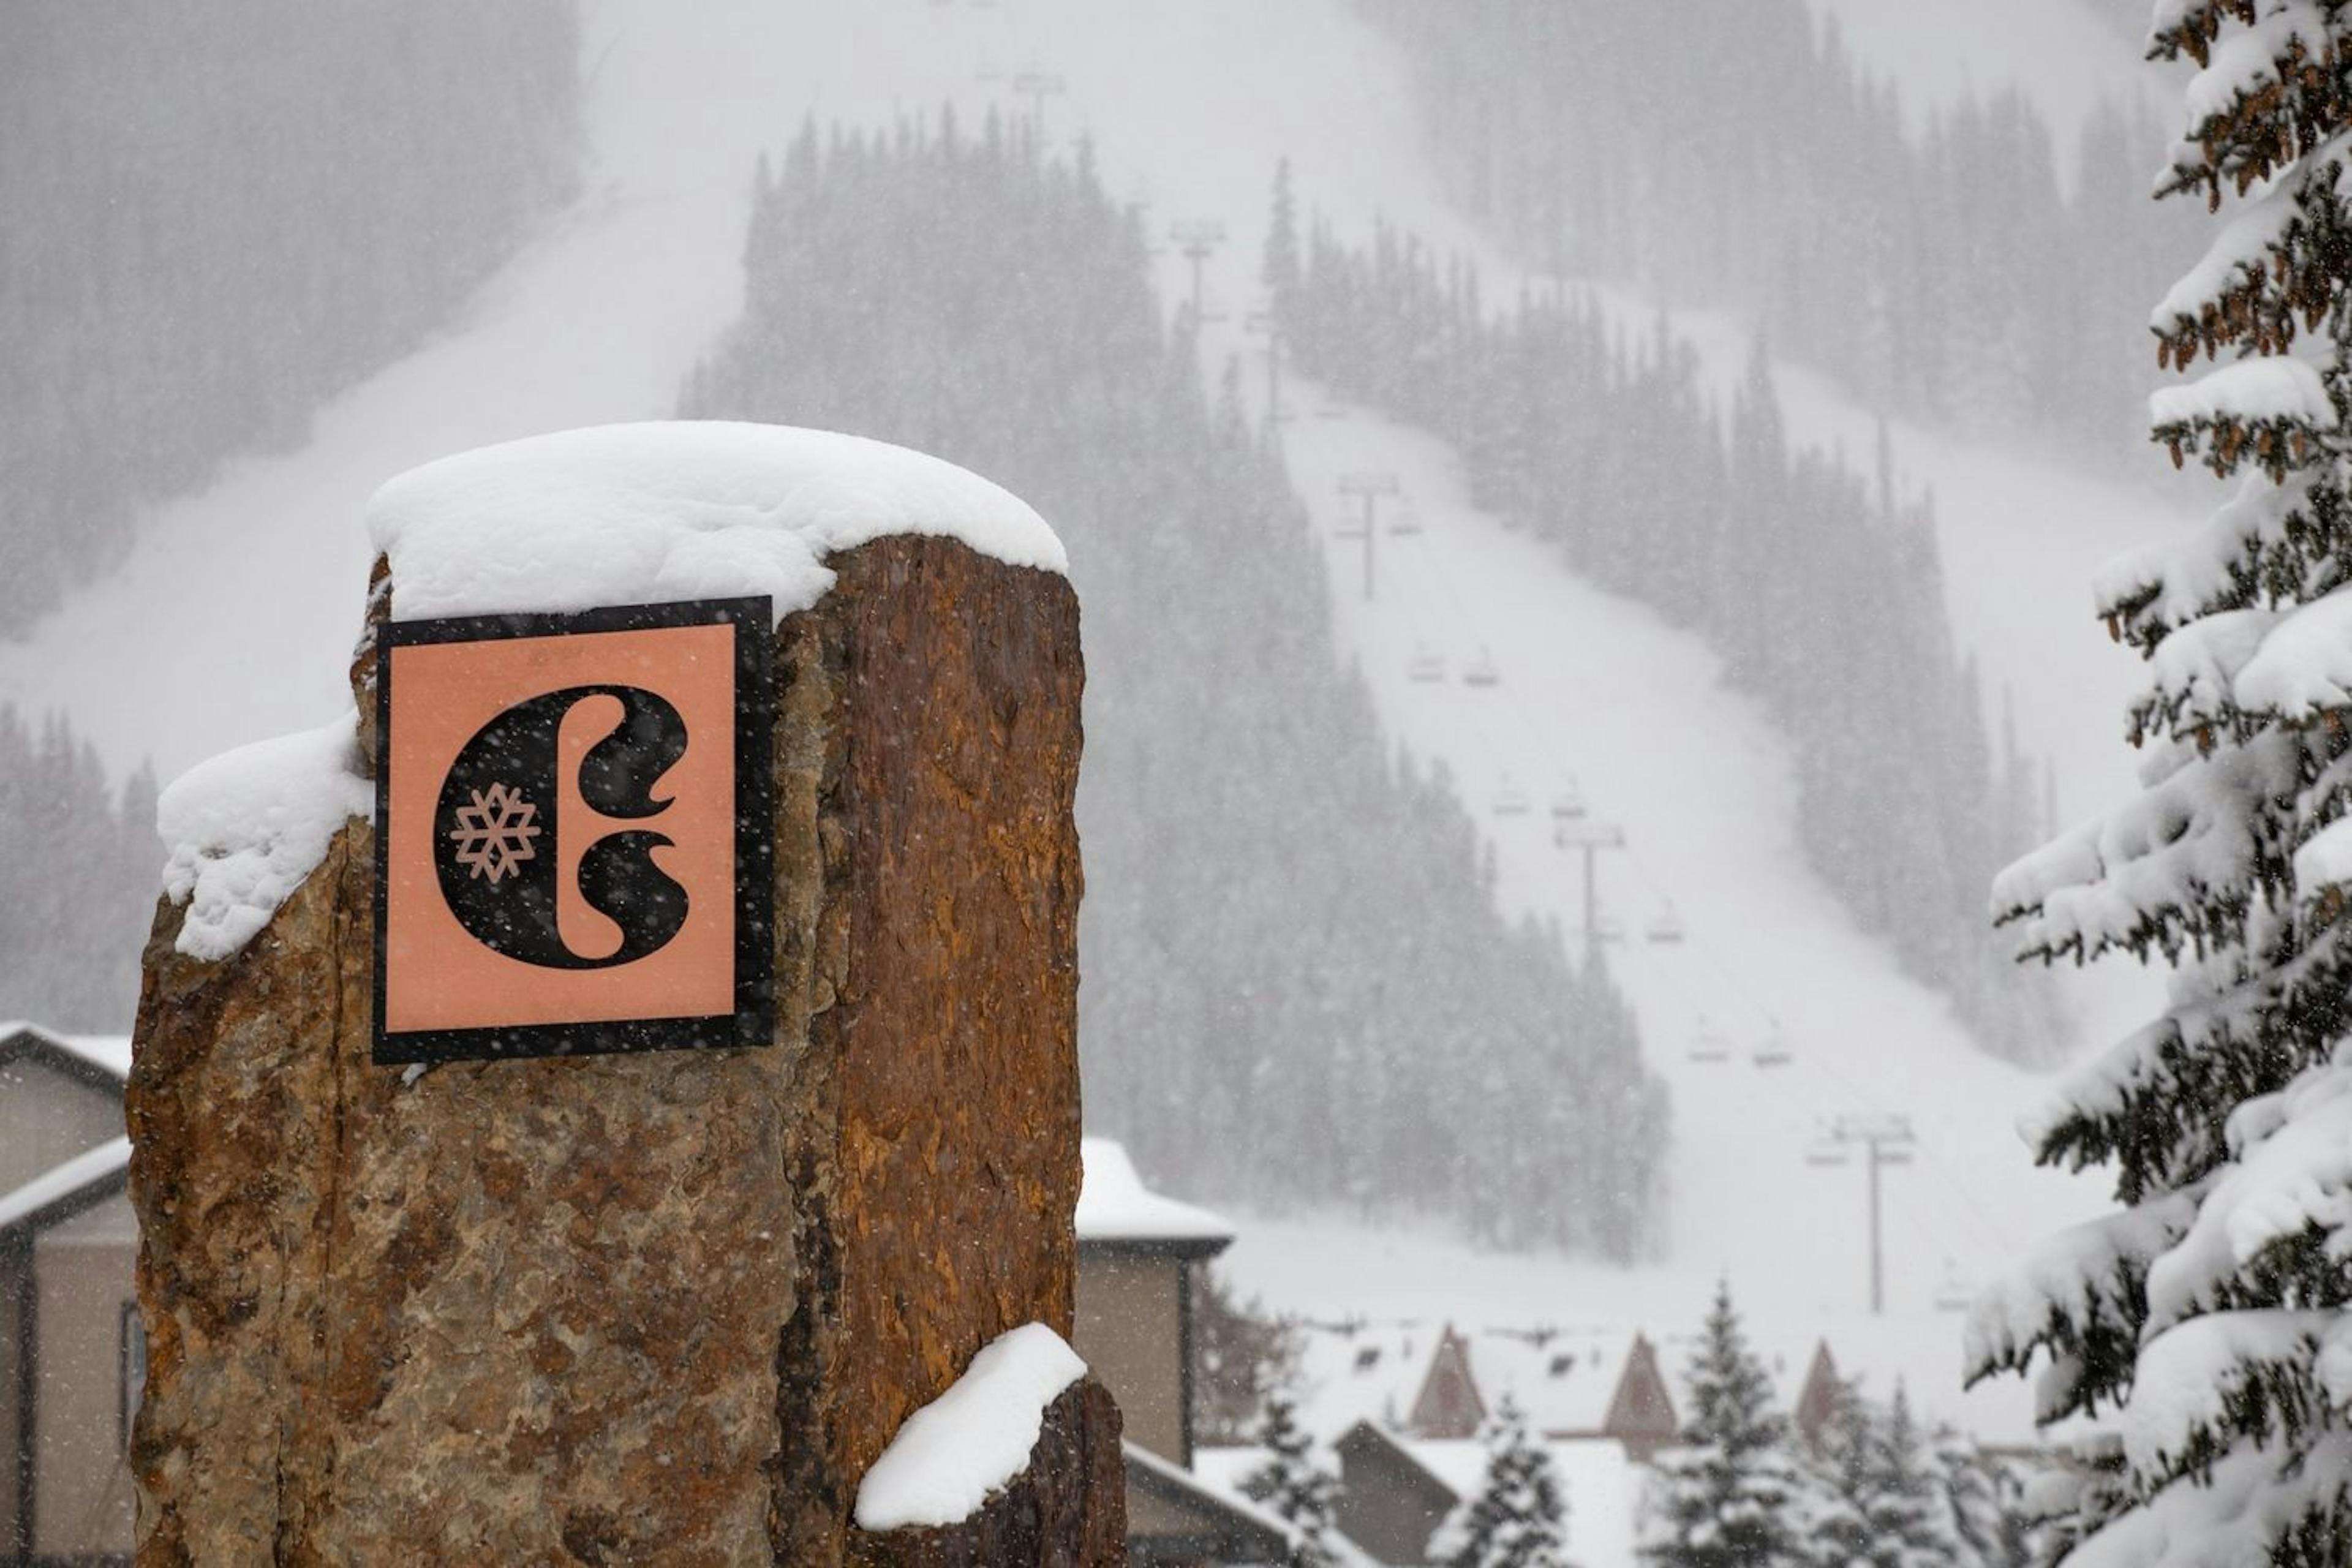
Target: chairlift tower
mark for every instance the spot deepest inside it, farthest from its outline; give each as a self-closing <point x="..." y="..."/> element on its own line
<point x="1371" y="487"/>
<point x="1196" y="238"/>
<point x="1885" y="1140"/>
<point x="1267" y="323"/>
<point x="1037" y="86"/>
<point x="1591" y="837"/>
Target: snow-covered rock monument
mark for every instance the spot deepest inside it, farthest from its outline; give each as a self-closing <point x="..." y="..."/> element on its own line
<point x="590" y="1096"/>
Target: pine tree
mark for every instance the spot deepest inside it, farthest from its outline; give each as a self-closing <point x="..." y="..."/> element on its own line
<point x="1519" y="1518"/>
<point x="2207" y="1318"/>
<point x="1729" y="1498"/>
<point x="1886" y="1492"/>
<point x="1293" y="1487"/>
<point x="1241" y="1357"/>
<point x="1280" y="272"/>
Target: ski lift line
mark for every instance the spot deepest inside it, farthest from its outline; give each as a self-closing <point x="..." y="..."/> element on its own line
<point x="1777" y="1082"/>
<point x="1692" y="941"/>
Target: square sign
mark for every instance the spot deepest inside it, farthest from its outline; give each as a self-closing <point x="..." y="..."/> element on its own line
<point x="572" y="833"/>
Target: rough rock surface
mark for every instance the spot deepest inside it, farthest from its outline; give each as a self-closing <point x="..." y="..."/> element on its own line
<point x="663" y="1306"/>
<point x="1066" y="1509"/>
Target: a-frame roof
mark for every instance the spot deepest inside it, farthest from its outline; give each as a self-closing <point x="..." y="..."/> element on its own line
<point x="1448" y="1404"/>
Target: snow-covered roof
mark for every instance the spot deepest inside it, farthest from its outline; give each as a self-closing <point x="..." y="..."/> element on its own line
<point x="1214" y="1490"/>
<point x="107" y="1160"/>
<point x="622" y="514"/>
<point x="948" y="1456"/>
<point x="1601" y="1489"/>
<point x="1562" y="1379"/>
<point x="111" y="1054"/>
<point x="1115" y="1207"/>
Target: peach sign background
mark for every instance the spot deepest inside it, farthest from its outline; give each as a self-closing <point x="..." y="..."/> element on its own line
<point x="436" y="976"/>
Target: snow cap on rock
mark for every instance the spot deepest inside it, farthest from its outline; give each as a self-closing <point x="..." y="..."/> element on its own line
<point x="621" y="514"/>
<point x="974" y="1439"/>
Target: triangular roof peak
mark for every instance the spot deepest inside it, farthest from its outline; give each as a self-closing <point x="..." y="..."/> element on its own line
<point x="1817" y="1397"/>
<point x="1449" y="1404"/>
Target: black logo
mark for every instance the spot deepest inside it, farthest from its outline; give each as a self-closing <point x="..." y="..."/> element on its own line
<point x="494" y="828"/>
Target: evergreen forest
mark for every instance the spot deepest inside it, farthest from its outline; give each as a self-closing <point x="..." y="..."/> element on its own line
<point x="1820" y="588"/>
<point x="81" y="867"/>
<point x="1956" y="266"/>
<point x="1296" y="985"/>
<point x="221" y="216"/>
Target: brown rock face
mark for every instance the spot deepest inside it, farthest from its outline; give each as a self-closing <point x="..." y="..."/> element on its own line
<point x="654" y="1308"/>
<point x="1067" y="1509"/>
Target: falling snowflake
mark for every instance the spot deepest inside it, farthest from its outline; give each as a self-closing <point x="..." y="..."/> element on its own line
<point x="494" y="834"/>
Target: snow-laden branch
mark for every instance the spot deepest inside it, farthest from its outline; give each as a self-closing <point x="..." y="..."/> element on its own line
<point x="2188" y="1376"/>
<point x="2243" y="64"/>
<point x="2304" y="663"/>
<point x="2165" y="584"/>
<point x="2117" y="880"/>
<point x="2227" y="1520"/>
<point x="2238" y="255"/>
<point x="2294" y="1173"/>
<point x="2082" y="1275"/>
<point x="2264" y="388"/>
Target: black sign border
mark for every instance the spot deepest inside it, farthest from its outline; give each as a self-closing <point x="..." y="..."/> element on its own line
<point x="753" y="1021"/>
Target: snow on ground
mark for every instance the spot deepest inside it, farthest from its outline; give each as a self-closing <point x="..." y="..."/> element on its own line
<point x="257" y="584"/>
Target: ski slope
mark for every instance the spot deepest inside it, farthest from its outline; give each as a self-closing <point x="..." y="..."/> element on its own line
<point x="234" y="618"/>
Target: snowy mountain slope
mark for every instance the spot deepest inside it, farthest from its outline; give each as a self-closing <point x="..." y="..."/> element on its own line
<point x="234" y="619"/>
<point x="1767" y="962"/>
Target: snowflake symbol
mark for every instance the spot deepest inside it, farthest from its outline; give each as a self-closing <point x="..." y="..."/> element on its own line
<point x="494" y="834"/>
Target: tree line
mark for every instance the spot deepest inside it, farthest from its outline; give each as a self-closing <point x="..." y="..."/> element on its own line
<point x="1943" y="266"/>
<point x="82" y="868"/>
<point x="1821" y="588"/>
<point x="218" y="217"/>
<point x="1297" y="988"/>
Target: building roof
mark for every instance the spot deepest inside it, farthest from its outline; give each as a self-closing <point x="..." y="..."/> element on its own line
<point x="1116" y="1209"/>
<point x="1244" y="1531"/>
<point x="1563" y="1380"/>
<point x="1601" y="1485"/>
<point x="64" y="1190"/>
<point x="85" y="1055"/>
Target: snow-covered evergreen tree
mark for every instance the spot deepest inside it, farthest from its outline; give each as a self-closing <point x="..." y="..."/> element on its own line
<point x="1728" y="1499"/>
<point x="1292" y="1486"/>
<point x="1888" y="1492"/>
<point x="1519" y="1518"/>
<point x="2207" y="1321"/>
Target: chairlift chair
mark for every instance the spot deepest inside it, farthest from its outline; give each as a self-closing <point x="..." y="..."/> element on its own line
<point x="1953" y="1292"/>
<point x="1568" y="803"/>
<point x="1427" y="665"/>
<point x="1482" y="671"/>
<point x="1667" y="930"/>
<point x="1709" y="1044"/>
<point x="1406" y="523"/>
<point x="1510" y="800"/>
<point x="1772" y="1056"/>
<point x="1608" y="928"/>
